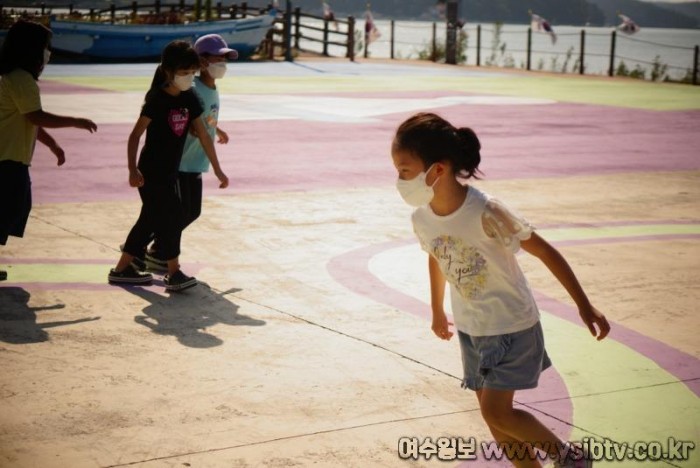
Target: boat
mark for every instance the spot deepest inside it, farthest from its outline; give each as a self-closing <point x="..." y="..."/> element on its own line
<point x="135" y="42"/>
<point x="141" y="41"/>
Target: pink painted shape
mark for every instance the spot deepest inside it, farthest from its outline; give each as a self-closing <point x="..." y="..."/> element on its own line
<point x="47" y="86"/>
<point x="272" y="156"/>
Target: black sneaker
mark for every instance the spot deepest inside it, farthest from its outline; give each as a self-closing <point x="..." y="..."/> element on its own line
<point x="129" y="276"/>
<point x="153" y="263"/>
<point x="138" y="263"/>
<point x="3" y="275"/>
<point x="178" y="281"/>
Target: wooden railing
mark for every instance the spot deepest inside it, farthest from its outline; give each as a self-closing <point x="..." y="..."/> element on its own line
<point x="285" y="40"/>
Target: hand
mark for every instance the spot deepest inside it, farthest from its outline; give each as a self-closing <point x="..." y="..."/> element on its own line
<point x="86" y="124"/>
<point x="592" y="316"/>
<point x="441" y="327"/>
<point x="222" y="178"/>
<point x="135" y="178"/>
<point x="60" y="154"/>
<point x="223" y="136"/>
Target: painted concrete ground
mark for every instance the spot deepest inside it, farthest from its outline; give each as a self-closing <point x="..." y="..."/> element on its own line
<point x="309" y="342"/>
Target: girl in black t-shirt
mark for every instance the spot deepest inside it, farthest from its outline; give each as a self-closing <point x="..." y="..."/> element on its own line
<point x="168" y="111"/>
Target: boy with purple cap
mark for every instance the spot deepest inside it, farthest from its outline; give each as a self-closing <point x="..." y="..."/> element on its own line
<point x="213" y="52"/>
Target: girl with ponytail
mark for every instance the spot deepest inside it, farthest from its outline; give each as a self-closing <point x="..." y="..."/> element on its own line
<point x="471" y="240"/>
<point x="170" y="109"/>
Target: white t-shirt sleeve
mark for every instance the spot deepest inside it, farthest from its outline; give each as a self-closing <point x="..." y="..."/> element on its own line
<point x="504" y="225"/>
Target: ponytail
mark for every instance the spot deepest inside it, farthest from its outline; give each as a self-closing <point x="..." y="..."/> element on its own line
<point x="470" y="151"/>
<point x="433" y="139"/>
<point x="159" y="78"/>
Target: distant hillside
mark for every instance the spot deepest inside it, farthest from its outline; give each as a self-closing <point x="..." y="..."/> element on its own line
<point x="654" y="15"/>
<point x="558" y="12"/>
<point x="506" y="11"/>
<point x="689" y="9"/>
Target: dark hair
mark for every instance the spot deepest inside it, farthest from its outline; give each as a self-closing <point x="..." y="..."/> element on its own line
<point x="178" y="55"/>
<point x="433" y="139"/>
<point x="24" y="47"/>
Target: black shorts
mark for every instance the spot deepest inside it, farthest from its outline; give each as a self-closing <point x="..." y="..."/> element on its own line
<point x="15" y="199"/>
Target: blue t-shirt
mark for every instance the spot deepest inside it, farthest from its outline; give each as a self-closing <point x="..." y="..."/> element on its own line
<point x="194" y="159"/>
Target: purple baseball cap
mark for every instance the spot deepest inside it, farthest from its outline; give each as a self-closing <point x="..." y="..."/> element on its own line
<point x="213" y="44"/>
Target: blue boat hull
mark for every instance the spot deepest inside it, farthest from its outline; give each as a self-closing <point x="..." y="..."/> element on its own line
<point x="127" y="42"/>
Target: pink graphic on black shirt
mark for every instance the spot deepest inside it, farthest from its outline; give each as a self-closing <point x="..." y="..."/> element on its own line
<point x="178" y="119"/>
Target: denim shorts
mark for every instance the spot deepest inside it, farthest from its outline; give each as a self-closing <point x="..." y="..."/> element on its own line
<point x="504" y="362"/>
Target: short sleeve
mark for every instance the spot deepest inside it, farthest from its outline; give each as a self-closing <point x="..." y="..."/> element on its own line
<point x="196" y="108"/>
<point x="416" y="230"/>
<point x="24" y="92"/>
<point x="504" y="225"/>
<point x="150" y="105"/>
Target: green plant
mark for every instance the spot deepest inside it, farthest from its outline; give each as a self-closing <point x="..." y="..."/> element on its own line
<point x="496" y="45"/>
<point x="554" y="62"/>
<point x="658" y="69"/>
<point x="567" y="58"/>
<point x="637" y="72"/>
<point x="426" y="53"/>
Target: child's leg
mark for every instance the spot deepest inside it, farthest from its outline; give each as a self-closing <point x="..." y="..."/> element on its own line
<point x="124" y="261"/>
<point x="498" y="412"/>
<point x="173" y="265"/>
<point x="505" y="440"/>
<point x="16" y="196"/>
<point x="142" y="231"/>
<point x="191" y="196"/>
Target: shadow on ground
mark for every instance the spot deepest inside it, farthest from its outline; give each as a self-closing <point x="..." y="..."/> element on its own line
<point x="188" y="314"/>
<point x="18" y="324"/>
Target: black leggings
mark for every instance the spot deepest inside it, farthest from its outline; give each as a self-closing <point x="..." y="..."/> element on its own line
<point x="190" y="184"/>
<point x="15" y="199"/>
<point x="191" y="196"/>
<point x="161" y="216"/>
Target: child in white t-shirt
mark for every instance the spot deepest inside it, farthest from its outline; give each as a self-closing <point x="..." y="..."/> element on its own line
<point x="471" y="240"/>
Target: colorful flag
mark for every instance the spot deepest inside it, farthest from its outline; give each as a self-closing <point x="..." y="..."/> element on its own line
<point x="328" y="14"/>
<point x="627" y="26"/>
<point x="371" y="31"/>
<point x="540" y="24"/>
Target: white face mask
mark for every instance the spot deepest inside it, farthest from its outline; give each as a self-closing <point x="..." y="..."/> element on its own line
<point x="416" y="192"/>
<point x="184" y="82"/>
<point x="217" y="70"/>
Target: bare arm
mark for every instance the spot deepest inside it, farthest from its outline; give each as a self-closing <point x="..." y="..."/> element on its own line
<point x="44" y="119"/>
<point x="210" y="151"/>
<point x="132" y="147"/>
<point x="440" y="325"/>
<point x="561" y="270"/>
<point x="44" y="137"/>
<point x="222" y="136"/>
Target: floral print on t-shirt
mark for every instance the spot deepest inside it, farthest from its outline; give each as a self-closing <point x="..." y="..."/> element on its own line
<point x="463" y="266"/>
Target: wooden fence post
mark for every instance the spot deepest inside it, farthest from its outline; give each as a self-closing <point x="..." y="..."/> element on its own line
<point x="478" y="46"/>
<point x="611" y="70"/>
<point x="582" y="57"/>
<point x="392" y="39"/>
<point x="351" y="38"/>
<point x="297" y="27"/>
<point x="529" y="48"/>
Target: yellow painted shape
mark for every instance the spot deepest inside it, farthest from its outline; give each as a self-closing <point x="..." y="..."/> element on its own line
<point x="617" y="392"/>
<point x="626" y="231"/>
<point x="585" y="90"/>
<point x="57" y="273"/>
